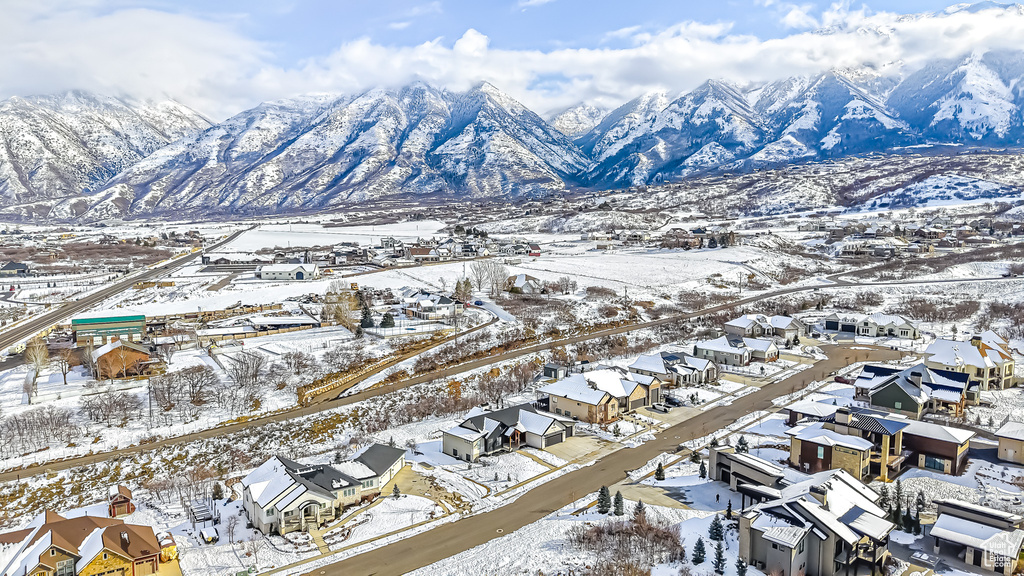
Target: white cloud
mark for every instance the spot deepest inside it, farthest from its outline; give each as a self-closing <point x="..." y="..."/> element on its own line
<point x="210" y="66"/>
<point x="799" y="17"/>
<point x="528" y="3"/>
<point x="400" y="25"/>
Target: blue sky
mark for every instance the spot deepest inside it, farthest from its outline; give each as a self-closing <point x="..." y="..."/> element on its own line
<point x="298" y="29"/>
<point x="223" y="56"/>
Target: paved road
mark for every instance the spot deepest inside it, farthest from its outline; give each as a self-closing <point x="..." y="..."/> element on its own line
<point x="326" y="402"/>
<point x="449" y="539"/>
<point x="40" y="323"/>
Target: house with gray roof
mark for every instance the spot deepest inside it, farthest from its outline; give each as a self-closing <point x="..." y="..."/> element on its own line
<point x="282" y="496"/>
<point x="677" y="369"/>
<point x="915" y="391"/>
<point x="486" y="432"/>
<point x="873" y="325"/>
<point x="826" y="525"/>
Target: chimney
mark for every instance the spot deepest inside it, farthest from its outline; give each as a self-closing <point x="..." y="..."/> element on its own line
<point x="976" y="340"/>
<point x="124" y="539"/>
<point x="915" y="377"/>
<point x="843" y="416"/>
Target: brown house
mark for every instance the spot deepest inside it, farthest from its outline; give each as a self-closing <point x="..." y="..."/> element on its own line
<point x="83" y="546"/>
<point x="122" y="359"/>
<point x="120" y="502"/>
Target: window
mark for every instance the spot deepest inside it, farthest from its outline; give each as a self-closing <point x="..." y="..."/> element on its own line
<point x="270" y="511"/>
<point x="898" y="405"/>
<point x="65" y="568"/>
<point x="104" y="555"/>
<point x="934" y="463"/>
<point x="821" y="452"/>
<point x="800" y="548"/>
<point x="367" y="483"/>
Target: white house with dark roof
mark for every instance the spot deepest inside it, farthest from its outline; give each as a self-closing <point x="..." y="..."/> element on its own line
<point x="288" y="272"/>
<point x="486" y="432"/>
<point x="874" y="325"/>
<point x="758" y="325"/>
<point x="282" y="496"/>
<point x="677" y="369"/>
<point x="574" y="397"/>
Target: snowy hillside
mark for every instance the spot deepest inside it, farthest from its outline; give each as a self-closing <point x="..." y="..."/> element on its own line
<point x="578" y="120"/>
<point x="70" y="143"/>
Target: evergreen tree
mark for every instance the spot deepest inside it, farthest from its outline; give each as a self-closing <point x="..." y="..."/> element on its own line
<point x="741" y="445"/>
<point x="396" y="492"/>
<point x="897" y="495"/>
<point x="694" y="457"/>
<point x="703" y="470"/>
<point x="659" y="474"/>
<point x="218" y="491"/>
<point x="716" y="532"/>
<point x="367" y="321"/>
<point x="796" y="340"/>
<point x="741" y="567"/>
<point x="604" y="500"/>
<point x="920" y="503"/>
<point x="713" y="242"/>
<point x="896" y="517"/>
<point x="639" y="511"/>
<point x="714" y="441"/>
<point x="618" y="504"/>
<point x="728" y="511"/>
<point x="908" y="521"/>
<point x="699" y="552"/>
<point x="359" y="332"/>
<point x="883" y="498"/>
<point x="719" y="559"/>
<point x="388" y="321"/>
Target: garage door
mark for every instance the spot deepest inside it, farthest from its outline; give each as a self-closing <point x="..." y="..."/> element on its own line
<point x="831" y="325"/>
<point x="145" y="568"/>
<point x="638" y="403"/>
<point x="849" y="328"/>
<point x="553" y="439"/>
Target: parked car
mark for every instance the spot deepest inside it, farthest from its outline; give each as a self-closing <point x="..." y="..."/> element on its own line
<point x="478" y="303"/>
<point x="673" y="401"/>
<point x="659" y="407"/>
<point x="845" y="379"/>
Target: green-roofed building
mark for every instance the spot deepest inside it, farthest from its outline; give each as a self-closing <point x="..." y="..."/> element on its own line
<point x="99" y="330"/>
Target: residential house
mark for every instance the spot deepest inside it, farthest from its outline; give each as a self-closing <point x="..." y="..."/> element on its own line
<point x="676" y="369"/>
<point x="875" y="325"/>
<point x="523" y="284"/>
<point x="123" y="359"/>
<point x="758" y="325"/>
<point x="555" y="371"/>
<point x="915" y="391"/>
<point x="827" y="525"/>
<point x="1011" y="442"/>
<point x="283" y="496"/>
<point x="985" y="358"/>
<point x="14" y="269"/>
<point x="736" y="469"/>
<point x="288" y="272"/>
<point x="485" y="432"/>
<point x="984" y="537"/>
<point x="894" y="443"/>
<point x="574" y="397"/>
<point x="426" y="306"/>
<point x="53" y="545"/>
<point x="762" y="349"/>
<point x="119" y="501"/>
<point x="724" y="350"/>
<point x="810" y="410"/>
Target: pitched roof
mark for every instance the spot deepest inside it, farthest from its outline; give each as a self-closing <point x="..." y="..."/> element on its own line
<point x="576" y="388"/>
<point x="968" y="533"/>
<point x="380" y="457"/>
<point x="817" y="434"/>
<point x="1011" y="430"/>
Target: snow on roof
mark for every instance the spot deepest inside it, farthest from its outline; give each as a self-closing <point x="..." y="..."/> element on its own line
<point x="755" y="463"/>
<point x="28" y="557"/>
<point x="866" y="523"/>
<point x="534" y="423"/>
<point x="1011" y="431"/>
<point x="268" y="481"/>
<point x="355" y="469"/>
<point x="778" y="530"/>
<point x="760" y="344"/>
<point x="720" y="344"/>
<point x="818" y="409"/>
<point x="465" y="433"/>
<point x="817" y="434"/>
<point x="988" y="538"/>
<point x="576" y="388"/>
<point x="650" y="363"/>
<point x="286" y="267"/>
<point x="90" y="548"/>
<point x="828" y="519"/>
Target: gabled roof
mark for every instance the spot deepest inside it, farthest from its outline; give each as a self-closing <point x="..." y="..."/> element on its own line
<point x="576" y="388"/>
<point x="1011" y="430"/>
<point x="380" y="457"/>
<point x="817" y="434"/>
<point x="650" y="363"/>
<point x="981" y="536"/>
<point x="811" y="408"/>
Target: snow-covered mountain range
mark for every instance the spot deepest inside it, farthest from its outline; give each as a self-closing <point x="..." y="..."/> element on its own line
<point x="78" y="155"/>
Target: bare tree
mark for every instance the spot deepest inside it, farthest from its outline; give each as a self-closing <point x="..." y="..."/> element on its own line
<point x="246" y="369"/>
<point x="65" y="360"/>
<point x="229" y="529"/>
<point x="36" y="354"/>
<point x="253" y="548"/>
<point x="178" y="335"/>
<point x="480" y="271"/>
